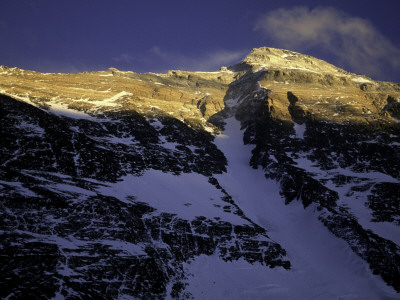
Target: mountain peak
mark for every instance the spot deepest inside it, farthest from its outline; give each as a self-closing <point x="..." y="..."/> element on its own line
<point x="154" y="186"/>
<point x="270" y="58"/>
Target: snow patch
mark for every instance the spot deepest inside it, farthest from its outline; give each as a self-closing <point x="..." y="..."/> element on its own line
<point x="112" y="139"/>
<point x="355" y="201"/>
<point x="323" y="266"/>
<point x="300" y="130"/>
<point x="306" y="164"/>
<point x="33" y="129"/>
<point x="168" y="145"/>
<point x="111" y="101"/>
<point x="61" y="109"/>
<point x="18" y="185"/>
<point x="157" y="125"/>
<point x="188" y="195"/>
<point x="361" y="80"/>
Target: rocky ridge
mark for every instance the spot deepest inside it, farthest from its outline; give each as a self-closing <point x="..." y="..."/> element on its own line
<point x="329" y="138"/>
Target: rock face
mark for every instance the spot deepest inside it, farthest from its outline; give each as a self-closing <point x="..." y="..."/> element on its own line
<point x="111" y="182"/>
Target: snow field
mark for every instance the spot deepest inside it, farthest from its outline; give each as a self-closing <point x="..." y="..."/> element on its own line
<point x="188" y="195"/>
<point x="323" y="266"/>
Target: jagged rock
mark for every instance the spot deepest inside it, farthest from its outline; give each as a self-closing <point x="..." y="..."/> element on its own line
<point x="80" y="219"/>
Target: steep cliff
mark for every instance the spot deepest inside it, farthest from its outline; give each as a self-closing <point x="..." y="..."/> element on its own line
<point x="119" y="184"/>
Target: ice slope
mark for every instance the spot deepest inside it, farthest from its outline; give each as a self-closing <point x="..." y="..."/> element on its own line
<point x="323" y="266"/>
<point x="188" y="196"/>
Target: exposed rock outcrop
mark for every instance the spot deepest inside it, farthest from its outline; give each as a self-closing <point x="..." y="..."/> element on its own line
<point x="109" y="179"/>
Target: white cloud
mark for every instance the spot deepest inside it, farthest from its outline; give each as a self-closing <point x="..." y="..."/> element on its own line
<point x="222" y="58"/>
<point x="159" y="60"/>
<point x="353" y="41"/>
<point x="123" y="58"/>
<point x="208" y="61"/>
<point x="157" y="52"/>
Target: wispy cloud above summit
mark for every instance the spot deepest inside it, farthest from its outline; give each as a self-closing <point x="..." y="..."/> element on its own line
<point x="207" y="61"/>
<point x="354" y="42"/>
<point x="157" y="59"/>
<point x="124" y="58"/>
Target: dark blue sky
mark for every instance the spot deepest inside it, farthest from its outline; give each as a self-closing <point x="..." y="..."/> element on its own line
<point x="154" y="36"/>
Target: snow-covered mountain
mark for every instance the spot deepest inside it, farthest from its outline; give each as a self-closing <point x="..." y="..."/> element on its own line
<point x="275" y="178"/>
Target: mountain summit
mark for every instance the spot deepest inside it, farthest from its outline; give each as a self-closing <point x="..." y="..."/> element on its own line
<point x="270" y="58"/>
<point x="277" y="177"/>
